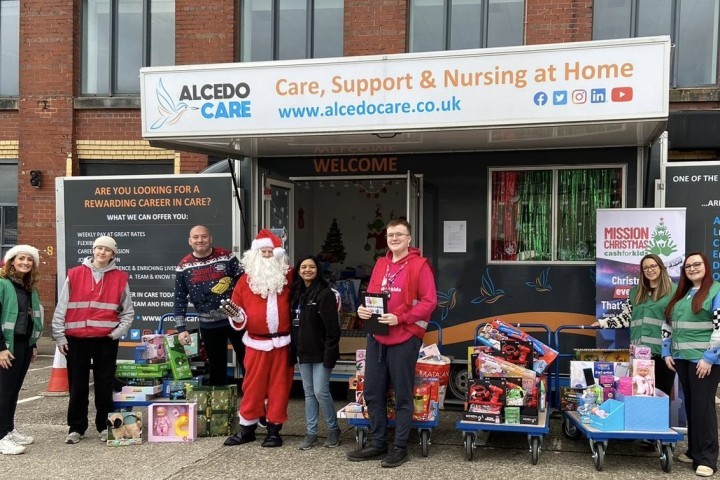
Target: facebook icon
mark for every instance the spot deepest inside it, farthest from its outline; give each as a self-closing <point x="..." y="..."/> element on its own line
<point x="540" y="99"/>
<point x="597" y="95"/>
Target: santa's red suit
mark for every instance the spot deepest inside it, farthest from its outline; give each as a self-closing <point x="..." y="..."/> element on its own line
<point x="268" y="372"/>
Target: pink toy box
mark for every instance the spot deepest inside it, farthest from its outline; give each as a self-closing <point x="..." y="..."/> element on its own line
<point x="172" y="422"/>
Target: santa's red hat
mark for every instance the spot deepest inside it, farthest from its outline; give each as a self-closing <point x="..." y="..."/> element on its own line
<point x="266" y="239"/>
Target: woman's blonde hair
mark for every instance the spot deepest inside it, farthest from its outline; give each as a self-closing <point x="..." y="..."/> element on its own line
<point x="664" y="285"/>
<point x="29" y="280"/>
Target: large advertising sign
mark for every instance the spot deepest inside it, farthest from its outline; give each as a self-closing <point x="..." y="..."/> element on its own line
<point x="150" y="218"/>
<point x="576" y="82"/>
<point x="626" y="235"/>
<point x="697" y="187"/>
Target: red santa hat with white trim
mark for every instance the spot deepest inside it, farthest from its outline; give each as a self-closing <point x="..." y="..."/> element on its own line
<point x="266" y="239"/>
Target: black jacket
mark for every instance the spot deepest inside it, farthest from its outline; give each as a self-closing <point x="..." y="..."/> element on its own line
<point x="317" y="338"/>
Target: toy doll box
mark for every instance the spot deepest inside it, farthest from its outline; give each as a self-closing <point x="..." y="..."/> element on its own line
<point x="172" y="422"/>
<point x="217" y="409"/>
<point x="646" y="413"/>
<point x="614" y="418"/>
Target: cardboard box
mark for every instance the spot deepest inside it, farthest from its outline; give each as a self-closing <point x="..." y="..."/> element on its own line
<point x="124" y="428"/>
<point x="512" y="415"/>
<point x="352" y="410"/>
<point x="176" y="389"/>
<point x="569" y="398"/>
<point x="217" y="409"/>
<point x="172" y="422"/>
<point x="147" y="390"/>
<point x="483" y="417"/>
<point x="614" y="419"/>
<point x="177" y="359"/>
<point x="646" y="413"/>
<point x="602" y="355"/>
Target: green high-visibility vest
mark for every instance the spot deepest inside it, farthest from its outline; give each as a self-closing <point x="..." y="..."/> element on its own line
<point x="691" y="332"/>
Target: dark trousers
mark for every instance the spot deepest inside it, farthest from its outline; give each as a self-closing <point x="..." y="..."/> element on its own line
<point x="11" y="381"/>
<point x="216" y="340"/>
<point x="664" y="377"/>
<point x="700" y="410"/>
<point x="386" y="365"/>
<point x="102" y="352"/>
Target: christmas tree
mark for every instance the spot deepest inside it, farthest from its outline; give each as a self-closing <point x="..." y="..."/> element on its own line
<point x="661" y="242"/>
<point x="333" y="250"/>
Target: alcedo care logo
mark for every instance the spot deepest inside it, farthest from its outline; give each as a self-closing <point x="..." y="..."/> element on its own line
<point x="215" y="100"/>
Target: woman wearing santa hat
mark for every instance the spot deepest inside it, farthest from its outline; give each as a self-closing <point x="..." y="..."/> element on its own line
<point x="93" y="311"/>
<point x="20" y="328"/>
<point x="261" y="306"/>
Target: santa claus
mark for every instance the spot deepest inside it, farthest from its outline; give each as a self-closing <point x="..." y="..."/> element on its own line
<point x="261" y="306"/>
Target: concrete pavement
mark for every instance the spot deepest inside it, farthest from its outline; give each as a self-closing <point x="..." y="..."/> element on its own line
<point x="503" y="455"/>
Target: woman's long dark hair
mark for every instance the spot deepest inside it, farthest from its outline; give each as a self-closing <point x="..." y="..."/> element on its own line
<point x="664" y="285"/>
<point x="684" y="285"/>
<point x="301" y="294"/>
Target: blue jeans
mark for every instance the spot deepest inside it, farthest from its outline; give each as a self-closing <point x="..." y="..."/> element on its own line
<point x="316" y="384"/>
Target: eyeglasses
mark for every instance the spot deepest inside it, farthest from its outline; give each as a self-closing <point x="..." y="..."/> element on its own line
<point x="650" y="268"/>
<point x="693" y="266"/>
<point x="397" y="235"/>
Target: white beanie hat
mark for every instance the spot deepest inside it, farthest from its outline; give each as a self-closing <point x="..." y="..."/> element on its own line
<point x="266" y="239"/>
<point x="107" y="242"/>
<point x="30" y="250"/>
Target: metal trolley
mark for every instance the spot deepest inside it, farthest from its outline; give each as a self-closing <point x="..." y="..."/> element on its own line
<point x="573" y="426"/>
<point x="424" y="429"/>
<point x="535" y="433"/>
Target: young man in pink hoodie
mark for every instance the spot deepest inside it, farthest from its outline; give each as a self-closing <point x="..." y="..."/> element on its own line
<point x="406" y="277"/>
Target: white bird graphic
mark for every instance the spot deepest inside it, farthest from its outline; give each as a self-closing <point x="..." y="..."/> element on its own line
<point x="170" y="111"/>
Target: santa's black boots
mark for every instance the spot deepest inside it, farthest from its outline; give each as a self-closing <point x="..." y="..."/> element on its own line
<point x="273" y="437"/>
<point x="245" y="434"/>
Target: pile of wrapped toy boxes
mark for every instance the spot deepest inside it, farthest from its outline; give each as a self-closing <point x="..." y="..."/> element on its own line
<point x="507" y="368"/>
<point x="432" y="373"/>
<point x="615" y="390"/>
<point x="179" y="407"/>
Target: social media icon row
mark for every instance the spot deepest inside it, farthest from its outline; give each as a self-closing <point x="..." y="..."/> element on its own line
<point x="580" y="96"/>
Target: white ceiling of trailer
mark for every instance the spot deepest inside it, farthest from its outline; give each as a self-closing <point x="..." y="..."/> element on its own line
<point x="429" y="141"/>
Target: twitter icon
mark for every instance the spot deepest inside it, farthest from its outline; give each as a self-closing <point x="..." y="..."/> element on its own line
<point x="560" y="97"/>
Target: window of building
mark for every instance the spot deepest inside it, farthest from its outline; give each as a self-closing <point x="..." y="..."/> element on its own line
<point x="9" y="48"/>
<point x="460" y="24"/>
<point x="8" y="205"/>
<point x="91" y="168"/>
<point x="120" y="37"/>
<point x="692" y="26"/>
<point x="291" y="29"/>
<point x="543" y="215"/>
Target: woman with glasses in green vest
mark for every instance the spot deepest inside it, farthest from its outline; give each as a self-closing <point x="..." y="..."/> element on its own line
<point x="644" y="314"/>
<point x="692" y="349"/>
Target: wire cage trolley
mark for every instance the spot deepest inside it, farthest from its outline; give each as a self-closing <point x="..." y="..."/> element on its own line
<point x="424" y="428"/>
<point x="535" y="433"/>
<point x="573" y="427"/>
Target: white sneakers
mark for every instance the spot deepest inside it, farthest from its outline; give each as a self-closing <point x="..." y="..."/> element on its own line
<point x="103" y="436"/>
<point x="703" y="471"/>
<point x="9" y="447"/>
<point x="21" y="439"/>
<point x="73" y="438"/>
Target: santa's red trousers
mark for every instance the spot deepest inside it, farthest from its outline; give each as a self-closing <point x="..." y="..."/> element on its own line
<point x="268" y="375"/>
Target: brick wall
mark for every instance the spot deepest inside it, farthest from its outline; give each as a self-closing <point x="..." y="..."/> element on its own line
<point x="375" y="26"/>
<point x="45" y="123"/>
<point x="558" y="21"/>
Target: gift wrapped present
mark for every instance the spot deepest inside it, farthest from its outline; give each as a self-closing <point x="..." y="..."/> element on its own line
<point x="217" y="409"/>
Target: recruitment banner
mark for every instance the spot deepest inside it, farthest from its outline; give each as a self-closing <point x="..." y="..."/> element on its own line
<point x="697" y="187"/>
<point x="624" y="236"/>
<point x="150" y="218"/>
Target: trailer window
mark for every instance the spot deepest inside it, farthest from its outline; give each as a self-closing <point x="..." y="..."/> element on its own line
<point x="541" y="215"/>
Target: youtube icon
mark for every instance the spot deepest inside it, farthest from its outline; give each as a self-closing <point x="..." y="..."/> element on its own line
<point x="621" y="94"/>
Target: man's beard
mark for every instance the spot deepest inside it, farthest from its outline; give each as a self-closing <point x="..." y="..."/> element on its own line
<point x="265" y="275"/>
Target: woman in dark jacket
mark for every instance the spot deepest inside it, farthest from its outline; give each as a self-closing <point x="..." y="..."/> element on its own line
<point x="315" y="340"/>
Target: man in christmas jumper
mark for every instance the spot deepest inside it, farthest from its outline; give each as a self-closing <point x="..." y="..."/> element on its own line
<point x="407" y="279"/>
<point x="205" y="277"/>
<point x="262" y="307"/>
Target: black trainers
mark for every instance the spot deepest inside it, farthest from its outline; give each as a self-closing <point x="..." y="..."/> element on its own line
<point x="395" y="458"/>
<point x="367" y="453"/>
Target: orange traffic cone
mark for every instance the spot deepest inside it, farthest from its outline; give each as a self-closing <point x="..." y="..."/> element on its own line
<point x="58" y="385"/>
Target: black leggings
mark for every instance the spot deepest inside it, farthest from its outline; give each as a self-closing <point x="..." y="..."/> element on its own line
<point x="216" y="340"/>
<point x="11" y="381"/>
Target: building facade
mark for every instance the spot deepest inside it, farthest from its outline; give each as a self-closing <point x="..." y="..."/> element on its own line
<point x="70" y="104"/>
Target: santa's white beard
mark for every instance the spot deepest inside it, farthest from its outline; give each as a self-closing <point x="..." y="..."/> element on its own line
<point x="265" y="275"/>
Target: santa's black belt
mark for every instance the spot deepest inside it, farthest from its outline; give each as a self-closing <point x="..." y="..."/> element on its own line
<point x="269" y="335"/>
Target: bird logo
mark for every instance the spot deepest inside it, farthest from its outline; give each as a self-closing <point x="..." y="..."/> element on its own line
<point x="170" y="112"/>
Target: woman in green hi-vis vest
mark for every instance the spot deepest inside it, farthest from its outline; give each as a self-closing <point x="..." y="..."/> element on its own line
<point x="644" y="314"/>
<point x="692" y="348"/>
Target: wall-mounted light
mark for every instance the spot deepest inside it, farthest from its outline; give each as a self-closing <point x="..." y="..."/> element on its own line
<point x="35" y="178"/>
